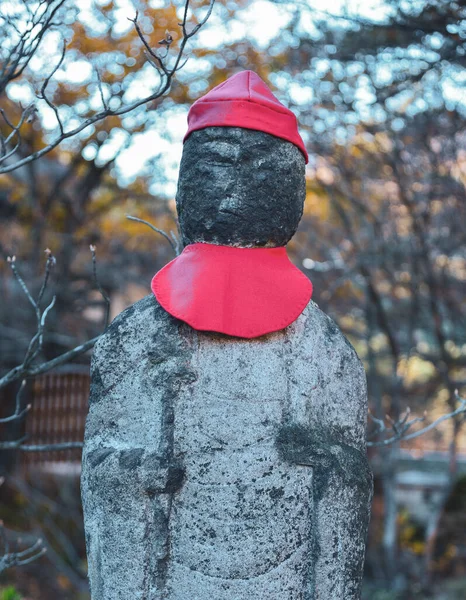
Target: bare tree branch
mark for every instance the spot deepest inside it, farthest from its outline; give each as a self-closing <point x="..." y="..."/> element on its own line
<point x="171" y="239"/>
<point x="159" y="61"/>
<point x="99" y="287"/>
<point x="18" y="414"/>
<point x="402" y="426"/>
<point x="26" y="369"/>
<point x="42" y="95"/>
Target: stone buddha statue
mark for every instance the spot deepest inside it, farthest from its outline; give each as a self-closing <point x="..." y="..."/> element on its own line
<point x="225" y="453"/>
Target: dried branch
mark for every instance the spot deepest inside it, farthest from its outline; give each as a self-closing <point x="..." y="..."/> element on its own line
<point x="403" y="425"/>
<point x="34" y="26"/>
<point x="27" y="115"/>
<point x="26" y="369"/>
<point x="101" y="91"/>
<point x="150" y="54"/>
<point x="99" y="287"/>
<point x="18" y="414"/>
<point x="42" y="95"/>
<point x="51" y="262"/>
<point x="159" y="61"/>
<point x="36" y="343"/>
<point x="171" y="239"/>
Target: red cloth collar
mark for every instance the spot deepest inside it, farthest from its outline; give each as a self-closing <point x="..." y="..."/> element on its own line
<point x="243" y="292"/>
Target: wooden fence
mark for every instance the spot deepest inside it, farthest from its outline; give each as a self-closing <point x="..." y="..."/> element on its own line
<point x="59" y="408"/>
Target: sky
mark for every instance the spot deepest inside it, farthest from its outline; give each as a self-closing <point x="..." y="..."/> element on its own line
<point x="160" y="147"/>
<point x="250" y="23"/>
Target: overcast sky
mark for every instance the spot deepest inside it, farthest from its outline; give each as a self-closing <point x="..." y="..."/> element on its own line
<point x="165" y="144"/>
<point x="159" y="148"/>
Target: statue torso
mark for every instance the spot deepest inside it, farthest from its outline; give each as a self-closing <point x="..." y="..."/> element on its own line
<point x="186" y="427"/>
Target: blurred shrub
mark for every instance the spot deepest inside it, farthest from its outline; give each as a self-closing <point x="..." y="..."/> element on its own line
<point x="452" y="590"/>
<point x="411" y="533"/>
<point x="9" y="593"/>
<point x="373" y="594"/>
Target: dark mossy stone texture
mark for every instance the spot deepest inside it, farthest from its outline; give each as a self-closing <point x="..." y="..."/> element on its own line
<point x="240" y="187"/>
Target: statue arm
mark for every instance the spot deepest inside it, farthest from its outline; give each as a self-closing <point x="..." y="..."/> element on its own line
<point x="125" y="520"/>
<point x="342" y="486"/>
<point x="332" y="442"/>
<point x="128" y="479"/>
<point x="342" y="496"/>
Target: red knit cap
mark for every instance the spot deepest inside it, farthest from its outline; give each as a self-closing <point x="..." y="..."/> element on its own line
<point x="245" y="101"/>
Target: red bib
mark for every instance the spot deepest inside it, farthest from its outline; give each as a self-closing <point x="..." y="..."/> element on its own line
<point x="244" y="292"/>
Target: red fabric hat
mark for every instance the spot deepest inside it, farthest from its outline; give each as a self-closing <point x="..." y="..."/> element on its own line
<point x="244" y="292"/>
<point x="245" y="101"/>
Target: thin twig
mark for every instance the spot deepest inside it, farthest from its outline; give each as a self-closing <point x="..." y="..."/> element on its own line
<point x="12" y="262"/>
<point x="25" y="370"/>
<point x="171" y="240"/>
<point x="99" y="287"/>
<point x="18" y="414"/>
<point x="401" y="427"/>
<point x="43" y="95"/>
<point x="101" y="91"/>
<point x="158" y="61"/>
<point x="20" y="372"/>
<point x="51" y="262"/>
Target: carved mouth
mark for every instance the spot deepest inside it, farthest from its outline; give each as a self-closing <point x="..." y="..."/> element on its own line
<point x="229" y="211"/>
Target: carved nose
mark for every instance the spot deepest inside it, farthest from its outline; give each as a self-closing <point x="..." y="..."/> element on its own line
<point x="230" y="205"/>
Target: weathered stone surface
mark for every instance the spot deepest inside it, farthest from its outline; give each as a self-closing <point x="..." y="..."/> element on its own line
<point x="240" y="187"/>
<point x="219" y="468"/>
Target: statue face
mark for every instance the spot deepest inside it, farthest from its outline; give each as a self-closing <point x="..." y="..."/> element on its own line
<point x="240" y="187"/>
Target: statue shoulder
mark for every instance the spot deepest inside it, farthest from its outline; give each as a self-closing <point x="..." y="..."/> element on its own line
<point x="142" y="333"/>
<point x="329" y="366"/>
<point x="322" y="329"/>
<point x="134" y="326"/>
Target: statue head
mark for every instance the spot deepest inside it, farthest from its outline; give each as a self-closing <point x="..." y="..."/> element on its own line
<point x="242" y="173"/>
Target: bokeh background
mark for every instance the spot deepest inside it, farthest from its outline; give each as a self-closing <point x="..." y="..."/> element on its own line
<point x="379" y="89"/>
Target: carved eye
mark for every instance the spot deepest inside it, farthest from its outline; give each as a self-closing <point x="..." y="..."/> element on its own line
<point x="216" y="160"/>
<point x="218" y="163"/>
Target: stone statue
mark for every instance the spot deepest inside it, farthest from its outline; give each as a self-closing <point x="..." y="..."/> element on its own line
<point x="217" y="466"/>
